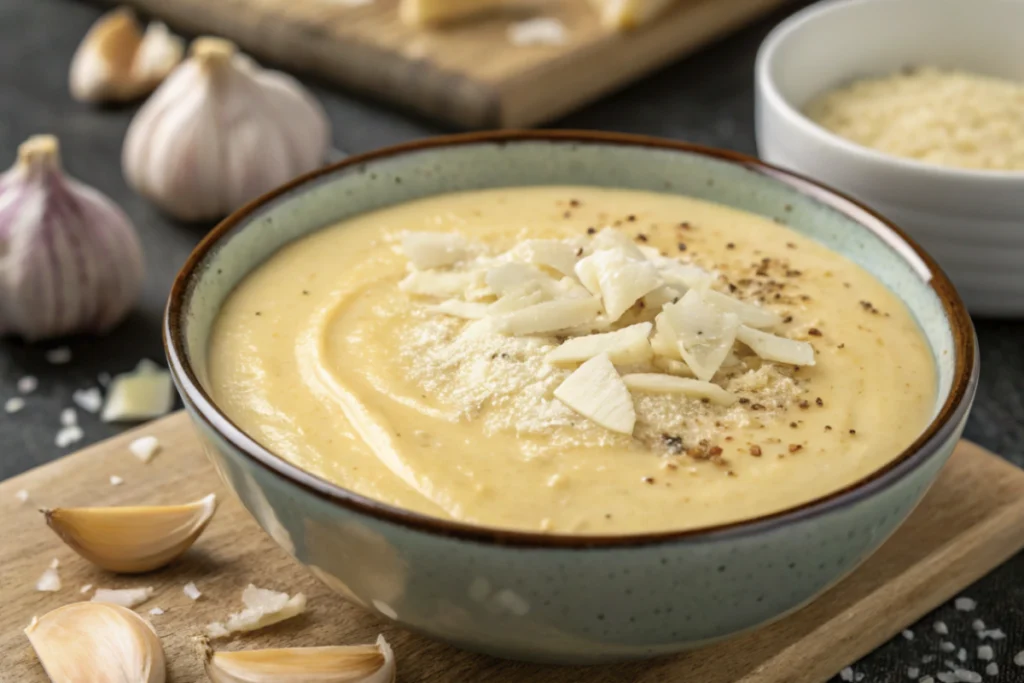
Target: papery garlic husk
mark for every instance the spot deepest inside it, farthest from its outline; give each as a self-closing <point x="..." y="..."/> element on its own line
<point x="98" y="643"/>
<point x="221" y="131"/>
<point x="131" y="540"/>
<point x="117" y="62"/>
<point x="70" y="259"/>
<point x="341" y="664"/>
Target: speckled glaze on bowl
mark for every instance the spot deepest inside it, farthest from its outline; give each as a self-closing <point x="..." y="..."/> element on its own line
<point x="560" y="598"/>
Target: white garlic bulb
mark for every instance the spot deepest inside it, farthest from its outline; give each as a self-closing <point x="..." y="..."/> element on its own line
<point x="219" y="132"/>
<point x="70" y="260"/>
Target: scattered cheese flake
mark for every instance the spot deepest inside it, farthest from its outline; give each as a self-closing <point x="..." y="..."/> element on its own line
<point x="940" y="628"/>
<point x="1018" y="658"/>
<point x="668" y="384"/>
<point x="262" y="608"/>
<point x="191" y="591"/>
<point x="68" y="417"/>
<point x="626" y="346"/>
<point x="89" y="400"/>
<point x="21" y="496"/>
<point x="116" y="480"/>
<point x="59" y="356"/>
<point x="143" y="394"/>
<point x="14" y="404"/>
<point x="992" y="669"/>
<point x="749" y="314"/>
<point x="966" y="676"/>
<point x="965" y="604"/>
<point x="947" y="646"/>
<point x="27" y="384"/>
<point x="68" y="435"/>
<point x="978" y="625"/>
<point x="156" y="611"/>
<point x="433" y="249"/>
<point x="962" y="655"/>
<point x="442" y="285"/>
<point x="509" y="277"/>
<point x="596" y="391"/>
<point x="461" y="309"/>
<point x="985" y="652"/>
<point x="612" y="239"/>
<point x="778" y="349"/>
<point x="538" y="31"/>
<point x="86" y="588"/>
<point x="145" y="448"/>
<point x="927" y="679"/>
<point x="554" y="254"/>
<point x="946" y="677"/>
<point x="994" y="634"/>
<point x="913" y="672"/>
<point x="846" y="674"/>
<point x="126" y="597"/>
<point x="672" y="366"/>
<point x="704" y="334"/>
<point x="49" y="582"/>
<point x="620" y="280"/>
<point x="908" y="634"/>
<point x="549" y="316"/>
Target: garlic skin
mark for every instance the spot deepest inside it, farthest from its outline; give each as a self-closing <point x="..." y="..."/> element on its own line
<point x="132" y="540"/>
<point x="340" y="664"/>
<point x="70" y="259"/>
<point x="99" y="643"/>
<point x="117" y="62"/>
<point x="221" y="131"/>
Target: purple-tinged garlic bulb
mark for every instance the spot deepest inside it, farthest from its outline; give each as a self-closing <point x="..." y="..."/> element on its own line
<point x="70" y="260"/>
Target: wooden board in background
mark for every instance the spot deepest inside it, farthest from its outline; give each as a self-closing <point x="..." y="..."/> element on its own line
<point x="467" y="74"/>
<point x="972" y="520"/>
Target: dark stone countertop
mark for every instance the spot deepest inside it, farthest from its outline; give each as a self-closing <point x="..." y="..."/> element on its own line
<point x="707" y="98"/>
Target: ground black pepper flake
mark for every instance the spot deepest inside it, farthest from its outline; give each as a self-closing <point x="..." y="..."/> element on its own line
<point x="794" y="425"/>
<point x="814" y="332"/>
<point x="715" y="451"/>
<point x="819" y="402"/>
<point x="591" y="231"/>
<point x="731" y="473"/>
<point x="681" y="246"/>
<point x="505" y="356"/>
<point x="648" y="480"/>
<point x="788" y="207"/>
<point x="790" y="245"/>
<point x="574" y="202"/>
<point x="804" y="405"/>
<point x="579" y="252"/>
<point x="642" y="237"/>
<point x="744" y="400"/>
<point x="673" y="443"/>
<point x="853" y="431"/>
<point x="788" y="319"/>
<point x="828" y="428"/>
<point x="258" y="313"/>
<point x="794" y="447"/>
<point x="732" y="287"/>
<point x="757" y="406"/>
<point x="305" y="292"/>
<point x="685" y="225"/>
<point x="567" y="214"/>
<point x="630" y="218"/>
<point x="755" y="451"/>
<point x="792" y="272"/>
<point x="730" y="245"/>
<point x="841" y="346"/>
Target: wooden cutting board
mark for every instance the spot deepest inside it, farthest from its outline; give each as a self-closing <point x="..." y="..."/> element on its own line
<point x="972" y="520"/>
<point x="467" y="74"/>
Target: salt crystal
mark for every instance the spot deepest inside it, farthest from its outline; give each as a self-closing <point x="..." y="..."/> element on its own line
<point x="156" y="611"/>
<point x="908" y="634"/>
<point x="927" y="659"/>
<point x="940" y="628"/>
<point x="947" y="646"/>
<point x="962" y="655"/>
<point x="127" y="597"/>
<point x="144" y="448"/>
<point x="68" y="435"/>
<point x="965" y="604"/>
<point x="14" y="404"/>
<point x="59" y="355"/>
<point x="913" y="672"/>
<point x="27" y="384"/>
<point x="192" y="591"/>
<point x="89" y="400"/>
<point x="1018" y="658"/>
<point x="538" y="31"/>
<point x="116" y="480"/>
<point x="859" y="676"/>
<point x="68" y="417"/>
<point x="846" y="674"/>
<point x="49" y="582"/>
<point x="22" y="496"/>
<point x="985" y="652"/>
<point x="951" y="665"/>
<point x="993" y="633"/>
<point x="86" y="588"/>
<point x="967" y="676"/>
<point x="978" y="625"/>
<point x="946" y="677"/>
<point x="992" y="669"/>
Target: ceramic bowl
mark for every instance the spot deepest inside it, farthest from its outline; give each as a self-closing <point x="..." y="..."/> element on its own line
<point x="549" y="597"/>
<point x="971" y="221"/>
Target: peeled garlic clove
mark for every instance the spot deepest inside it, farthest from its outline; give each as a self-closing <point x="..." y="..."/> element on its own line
<point x="219" y="132"/>
<point x="340" y="664"/>
<point x="70" y="260"/>
<point x="116" y="62"/>
<point x="99" y="643"/>
<point x="131" y="540"/>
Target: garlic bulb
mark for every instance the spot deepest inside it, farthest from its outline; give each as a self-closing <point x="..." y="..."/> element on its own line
<point x="221" y="131"/>
<point x="116" y="62"/>
<point x="70" y="260"/>
<point x="99" y="643"/>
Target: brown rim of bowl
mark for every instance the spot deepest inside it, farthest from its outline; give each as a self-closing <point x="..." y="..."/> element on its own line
<point x="937" y="432"/>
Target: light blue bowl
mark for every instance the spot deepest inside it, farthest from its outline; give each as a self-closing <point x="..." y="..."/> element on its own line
<point x="559" y="598"/>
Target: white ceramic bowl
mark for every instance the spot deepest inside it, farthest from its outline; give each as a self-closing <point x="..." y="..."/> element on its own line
<point x="971" y="221"/>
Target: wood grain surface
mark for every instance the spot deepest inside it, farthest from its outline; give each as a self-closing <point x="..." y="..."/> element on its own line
<point x="972" y="520"/>
<point x="467" y="74"/>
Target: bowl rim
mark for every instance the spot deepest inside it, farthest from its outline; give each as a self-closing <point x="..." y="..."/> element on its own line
<point x="768" y="88"/>
<point x="932" y="438"/>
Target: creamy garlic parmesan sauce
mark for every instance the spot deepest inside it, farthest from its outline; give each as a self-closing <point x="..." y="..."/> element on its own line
<point x="434" y="403"/>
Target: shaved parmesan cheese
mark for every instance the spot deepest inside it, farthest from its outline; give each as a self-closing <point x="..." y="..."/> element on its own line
<point x="509" y="277"/>
<point x="596" y="391"/>
<point x="127" y="597"/>
<point x="49" y="582"/>
<point x="549" y="316"/>
<point x="672" y="366"/>
<point x="191" y="591"/>
<point x="620" y="279"/>
<point x="650" y="253"/>
<point x="749" y="314"/>
<point x="433" y="249"/>
<point x="658" y="298"/>
<point x="140" y="395"/>
<point x="116" y="480"/>
<point x="624" y="347"/>
<point x="156" y="612"/>
<point x="145" y="448"/>
<point x="669" y="384"/>
<point x="609" y="238"/>
<point x="262" y="608"/>
<point x="554" y="254"/>
<point x="775" y="348"/>
<point x="664" y="342"/>
<point x="461" y="309"/>
<point x="517" y="300"/>
<point x="705" y="334"/>
<point x="441" y="285"/>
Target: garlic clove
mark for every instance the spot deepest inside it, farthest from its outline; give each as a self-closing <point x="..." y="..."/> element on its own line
<point x="219" y="132"/>
<point x="424" y="13"/>
<point x="262" y="608"/>
<point x="97" y="642"/>
<point x="131" y="540"/>
<point x="142" y="394"/>
<point x="338" y="664"/>
<point x="70" y="259"/>
<point x="116" y="62"/>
